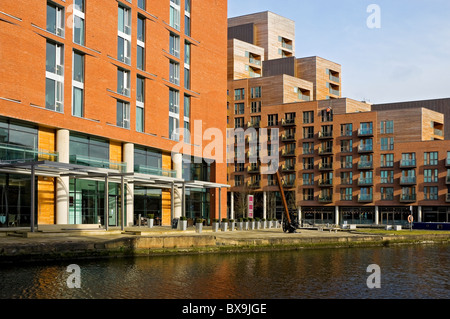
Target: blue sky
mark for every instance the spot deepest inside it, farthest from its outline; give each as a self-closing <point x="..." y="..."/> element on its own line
<point x="407" y="59"/>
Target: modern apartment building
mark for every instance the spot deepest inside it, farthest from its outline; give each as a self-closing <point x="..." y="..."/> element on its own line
<point x="341" y="160"/>
<point x="94" y="98"/>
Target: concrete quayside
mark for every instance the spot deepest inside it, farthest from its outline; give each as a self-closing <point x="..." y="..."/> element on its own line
<point x="61" y="243"/>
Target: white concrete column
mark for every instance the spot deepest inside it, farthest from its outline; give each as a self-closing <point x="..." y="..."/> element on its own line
<point x="232" y="205"/>
<point x="419" y="214"/>
<point x="128" y="158"/>
<point x="265" y="205"/>
<point x="178" y="193"/>
<point x="62" y="183"/>
<point x="299" y="215"/>
<point x="377" y="217"/>
<point x="336" y="215"/>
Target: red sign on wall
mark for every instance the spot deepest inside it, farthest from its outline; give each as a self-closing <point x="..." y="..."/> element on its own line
<point x="250" y="206"/>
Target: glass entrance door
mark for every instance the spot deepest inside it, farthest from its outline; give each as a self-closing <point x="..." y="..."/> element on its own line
<point x="113" y="210"/>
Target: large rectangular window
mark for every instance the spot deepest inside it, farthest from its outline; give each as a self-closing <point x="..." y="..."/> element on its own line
<point x="174" y="72"/>
<point x="175" y="14"/>
<point x="55" y="19"/>
<point x="123" y="114"/>
<point x="141" y="44"/>
<point x="78" y="85"/>
<point x="140" y="100"/>
<point x="54" y="83"/>
<point x="124" y="35"/>
<point x="78" y="22"/>
<point x="123" y="82"/>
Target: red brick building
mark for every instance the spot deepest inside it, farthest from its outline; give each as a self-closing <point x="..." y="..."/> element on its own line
<point x="105" y="85"/>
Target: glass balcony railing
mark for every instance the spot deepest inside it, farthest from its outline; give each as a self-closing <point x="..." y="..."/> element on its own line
<point x="408" y="180"/>
<point x="286" y="45"/>
<point x="254" y="61"/>
<point x="334" y="78"/>
<point x="334" y="92"/>
<point x="365" y="198"/>
<point x="408" y="163"/>
<point x="154" y="171"/>
<point x="16" y="153"/>
<point x="365" y="181"/>
<point x="97" y="162"/>
<point x="365" y="165"/>
<point x="408" y="197"/>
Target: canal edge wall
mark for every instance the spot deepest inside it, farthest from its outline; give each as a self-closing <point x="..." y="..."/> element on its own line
<point x="131" y="246"/>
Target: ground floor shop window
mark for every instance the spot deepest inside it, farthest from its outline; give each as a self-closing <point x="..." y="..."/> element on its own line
<point x="15" y="200"/>
<point x="147" y="201"/>
<point x="87" y="203"/>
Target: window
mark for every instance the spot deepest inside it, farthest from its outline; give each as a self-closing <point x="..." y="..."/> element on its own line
<point x="78" y="22"/>
<point x="431" y="175"/>
<point x="255" y="92"/>
<point x="387" y="177"/>
<point x="347" y="194"/>
<point x="123" y="114"/>
<point x="239" y="94"/>
<point x="387" y="127"/>
<point x="256" y="107"/>
<point x="187" y="106"/>
<point x="124" y="35"/>
<point x="308" y="148"/>
<point x="174" y="45"/>
<point x="308" y="117"/>
<point x="347" y="162"/>
<point x="239" y="122"/>
<point x="308" y="132"/>
<point x="387" y="143"/>
<point x="308" y="163"/>
<point x="174" y="72"/>
<point x="187" y="78"/>
<point x="239" y="167"/>
<point x="308" y="179"/>
<point x="346" y="129"/>
<point x="308" y="194"/>
<point x="430" y="158"/>
<point x="141" y="44"/>
<point x="187" y="54"/>
<point x="430" y="193"/>
<point x="55" y="19"/>
<point x="387" y="193"/>
<point x="174" y="101"/>
<point x="347" y="146"/>
<point x="387" y="160"/>
<point x="140" y="100"/>
<point x="272" y="119"/>
<point x="255" y="121"/>
<point x="174" y="124"/>
<point x="78" y="85"/>
<point x="54" y="82"/>
<point x="346" y="178"/>
<point x="238" y="180"/>
<point x="327" y="115"/>
<point x="123" y="82"/>
<point x="175" y="14"/>
<point x="187" y="24"/>
<point x="239" y="108"/>
<point x="366" y="128"/>
<point x="141" y="4"/>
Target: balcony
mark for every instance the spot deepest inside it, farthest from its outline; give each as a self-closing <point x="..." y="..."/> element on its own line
<point x="362" y="165"/>
<point x="365" y="132"/>
<point x="325" y="150"/>
<point x="97" y="162"/>
<point x="325" y="198"/>
<point x="254" y="61"/>
<point x="15" y="153"/>
<point x="447" y="180"/>
<point x="288" y="138"/>
<point x="288" y="122"/>
<point x="254" y="124"/>
<point x="408" y="163"/>
<point x="325" y="166"/>
<point x="325" y="135"/>
<point x="334" y="78"/>
<point x="325" y="182"/>
<point x="288" y="153"/>
<point x="154" y="171"/>
<point x="365" y="198"/>
<point x="447" y="198"/>
<point x="290" y="183"/>
<point x="346" y="165"/>
<point x="365" y="181"/>
<point x="407" y="198"/>
<point x="254" y="184"/>
<point x="408" y="180"/>
<point x="288" y="168"/>
<point x="334" y="91"/>
<point x="253" y="169"/>
<point x="365" y="149"/>
<point x="346" y="181"/>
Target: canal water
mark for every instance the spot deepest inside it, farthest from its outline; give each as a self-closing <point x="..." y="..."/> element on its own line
<point x="405" y="272"/>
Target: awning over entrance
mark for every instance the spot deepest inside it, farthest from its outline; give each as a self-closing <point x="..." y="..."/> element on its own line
<point x="58" y="169"/>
